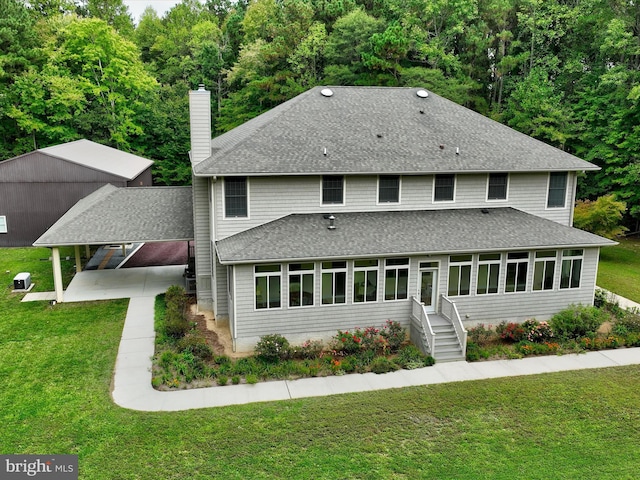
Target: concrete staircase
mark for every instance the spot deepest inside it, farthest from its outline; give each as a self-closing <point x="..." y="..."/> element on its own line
<point x="448" y="348"/>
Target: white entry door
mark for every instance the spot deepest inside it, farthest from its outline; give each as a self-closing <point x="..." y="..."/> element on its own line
<point x="429" y="288"/>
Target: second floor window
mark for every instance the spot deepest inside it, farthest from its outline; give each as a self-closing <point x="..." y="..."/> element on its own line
<point x="389" y="189"/>
<point x="333" y="189"/>
<point x="557" y="190"/>
<point x="444" y="188"/>
<point x="235" y="197"/>
<point x="497" y="188"/>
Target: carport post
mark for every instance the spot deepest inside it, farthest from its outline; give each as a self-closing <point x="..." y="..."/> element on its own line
<point x="87" y="252"/>
<point x="78" y="259"/>
<point x="57" y="274"/>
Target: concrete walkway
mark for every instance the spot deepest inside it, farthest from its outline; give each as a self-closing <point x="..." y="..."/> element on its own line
<point x="133" y="390"/>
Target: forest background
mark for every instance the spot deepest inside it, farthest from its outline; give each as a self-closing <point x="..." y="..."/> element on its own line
<point x="565" y="72"/>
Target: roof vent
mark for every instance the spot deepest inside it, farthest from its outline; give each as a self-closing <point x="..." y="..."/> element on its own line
<point x="485" y="211"/>
<point x="422" y="93"/>
<point x="332" y="222"/>
<point x="457" y="150"/>
<point x="326" y="92"/>
<point x="324" y="152"/>
<point x="379" y="135"/>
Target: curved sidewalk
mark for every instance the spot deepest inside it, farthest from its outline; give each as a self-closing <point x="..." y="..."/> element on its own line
<point x="133" y="390"/>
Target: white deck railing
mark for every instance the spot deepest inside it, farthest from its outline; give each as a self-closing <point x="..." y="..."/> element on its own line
<point x="419" y="312"/>
<point x="450" y="311"/>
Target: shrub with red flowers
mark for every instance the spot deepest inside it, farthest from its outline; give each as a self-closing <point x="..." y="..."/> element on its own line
<point x="389" y="338"/>
<point x="511" y="332"/>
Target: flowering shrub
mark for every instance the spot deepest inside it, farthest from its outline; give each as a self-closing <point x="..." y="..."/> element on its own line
<point x="511" y="332"/>
<point x="309" y="349"/>
<point x="481" y="335"/>
<point x="273" y="347"/>
<point x="540" y="332"/>
<point x="373" y="339"/>
<point x="600" y="343"/>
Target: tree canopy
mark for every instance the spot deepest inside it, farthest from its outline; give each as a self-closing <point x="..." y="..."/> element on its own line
<point x="567" y="73"/>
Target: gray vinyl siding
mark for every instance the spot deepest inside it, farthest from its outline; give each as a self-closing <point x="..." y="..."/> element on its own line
<point x="222" y="307"/>
<point x="274" y="197"/>
<point x="202" y="235"/>
<point x="322" y="321"/>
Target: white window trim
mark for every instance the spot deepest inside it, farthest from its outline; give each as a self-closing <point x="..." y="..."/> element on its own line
<point x="3" y="224"/>
<point x="461" y="264"/>
<point x="488" y="262"/>
<point x="492" y="200"/>
<point x="384" y="280"/>
<point x="224" y="201"/>
<point x="399" y="202"/>
<point x="455" y="188"/>
<point x="544" y="260"/>
<point x="566" y="191"/>
<point x="366" y="269"/>
<point x="571" y="258"/>
<point x="506" y="272"/>
<point x="267" y="274"/>
<point x="300" y="272"/>
<point x="333" y="271"/>
<point x="344" y="191"/>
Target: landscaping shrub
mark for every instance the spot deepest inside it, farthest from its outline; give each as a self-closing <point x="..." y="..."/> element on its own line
<point x="383" y="365"/>
<point x="309" y="349"/>
<point x="273" y="347"/>
<point x="197" y="345"/>
<point x="411" y="357"/>
<point x="577" y="321"/>
<point x="481" y="335"/>
<point x="176" y="296"/>
<point x="176" y="324"/>
<point x="394" y="334"/>
<point x="511" y="332"/>
<point x="539" y="332"/>
<point x="628" y="323"/>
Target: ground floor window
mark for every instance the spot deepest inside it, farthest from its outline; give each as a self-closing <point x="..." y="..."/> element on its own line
<point x="268" y="291"/>
<point x="396" y="278"/>
<point x="459" y="275"/>
<point x="571" y="268"/>
<point x="365" y="281"/>
<point x="3" y="224"/>
<point x="544" y="270"/>
<point x="517" y="267"/>
<point x="301" y="284"/>
<point x="488" y="273"/>
<point x="334" y="282"/>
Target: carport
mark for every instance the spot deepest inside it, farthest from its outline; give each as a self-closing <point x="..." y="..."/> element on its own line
<point x="119" y="216"/>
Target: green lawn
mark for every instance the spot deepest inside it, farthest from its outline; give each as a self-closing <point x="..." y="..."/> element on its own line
<point x="55" y="373"/>
<point x="619" y="269"/>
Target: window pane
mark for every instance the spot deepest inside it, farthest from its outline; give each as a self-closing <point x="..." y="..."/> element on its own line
<point x="403" y="283"/>
<point x="497" y="186"/>
<point x="444" y="186"/>
<point x="261" y="292"/>
<point x="267" y="268"/>
<point x="575" y="273"/>
<point x="327" y="288"/>
<point x="517" y="255"/>
<point x="465" y="280"/>
<point x="340" y="287"/>
<point x="295" y="290"/>
<point x="557" y="189"/>
<point x="332" y="189"/>
<point x="522" y="277"/>
<point x="372" y="286"/>
<point x="359" y="286"/>
<point x="565" y="274"/>
<point x="483" y="276"/>
<point x="549" y="273"/>
<point x="510" y="285"/>
<point x="494" y="274"/>
<point x="460" y="258"/>
<point x="365" y="263"/>
<point x="389" y="189"/>
<point x="307" y="289"/>
<point x="538" y="275"/>
<point x="274" y="291"/>
<point x="488" y="256"/>
<point x="397" y="261"/>
<point x="3" y="224"/>
<point x="390" y="285"/>
<point x="454" y="276"/>
<point x="235" y="191"/>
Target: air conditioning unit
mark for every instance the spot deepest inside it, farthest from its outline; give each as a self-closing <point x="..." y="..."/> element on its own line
<point x="22" y="281"/>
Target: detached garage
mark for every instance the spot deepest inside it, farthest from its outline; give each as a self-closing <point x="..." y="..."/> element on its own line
<point x="37" y="188"/>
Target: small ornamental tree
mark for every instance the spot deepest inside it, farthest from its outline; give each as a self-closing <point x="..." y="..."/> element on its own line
<point x="602" y="216"/>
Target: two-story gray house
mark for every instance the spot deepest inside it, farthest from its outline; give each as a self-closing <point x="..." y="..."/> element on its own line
<point x="348" y="206"/>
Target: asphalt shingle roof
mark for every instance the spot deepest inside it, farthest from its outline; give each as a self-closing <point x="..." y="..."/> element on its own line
<point x="373" y="130"/>
<point x="365" y="234"/>
<point x="123" y="215"/>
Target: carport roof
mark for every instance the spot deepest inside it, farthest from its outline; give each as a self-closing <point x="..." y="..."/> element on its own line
<point x="123" y="215"/>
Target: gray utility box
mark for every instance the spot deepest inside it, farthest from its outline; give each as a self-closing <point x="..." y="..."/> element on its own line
<point x="22" y="281"/>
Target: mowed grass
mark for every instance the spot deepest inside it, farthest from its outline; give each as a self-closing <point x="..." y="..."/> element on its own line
<point x="56" y="366"/>
<point x="619" y="268"/>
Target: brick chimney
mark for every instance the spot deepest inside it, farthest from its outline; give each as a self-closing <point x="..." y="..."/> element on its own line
<point x="200" y="124"/>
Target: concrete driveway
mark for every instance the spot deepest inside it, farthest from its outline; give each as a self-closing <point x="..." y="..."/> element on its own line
<point x="123" y="283"/>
